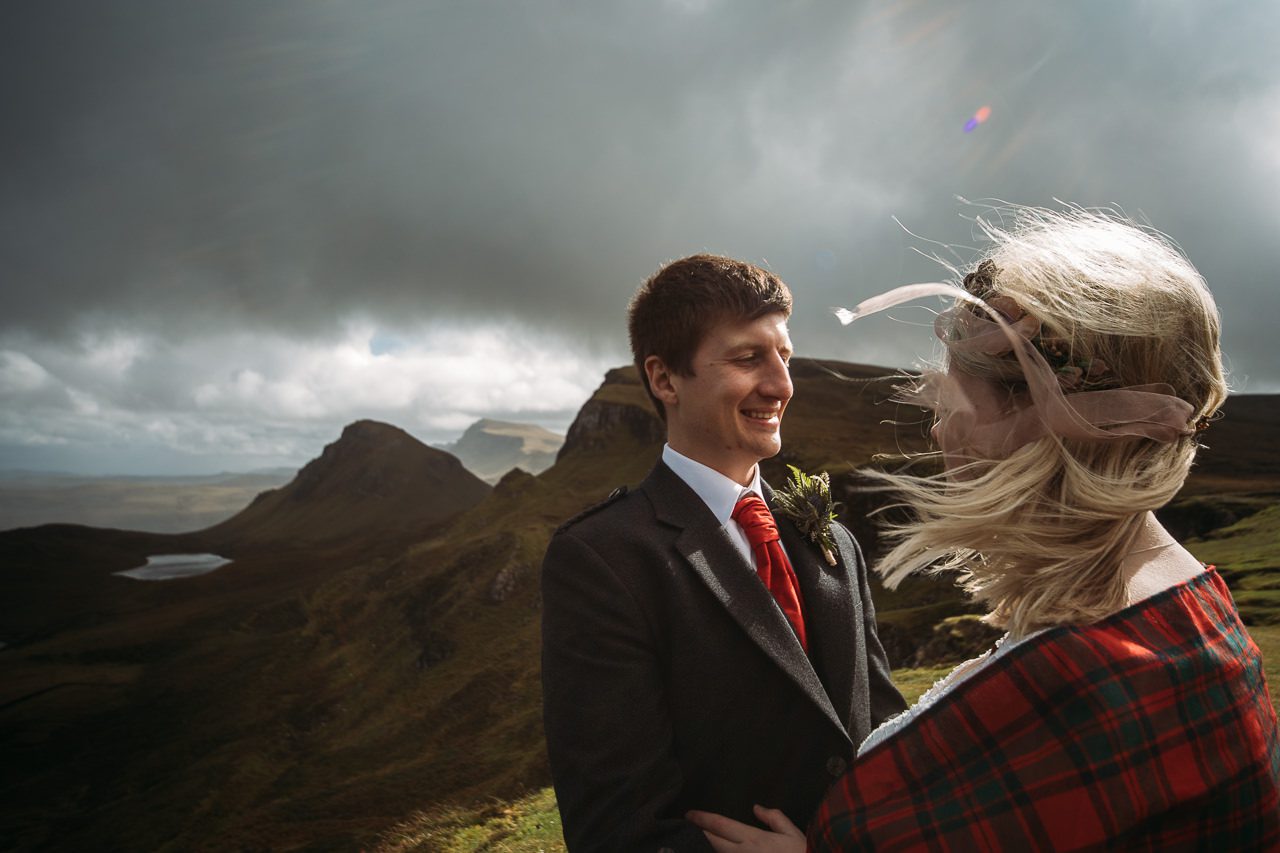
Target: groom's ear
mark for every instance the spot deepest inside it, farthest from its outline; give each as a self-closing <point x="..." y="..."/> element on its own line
<point x="660" y="383"/>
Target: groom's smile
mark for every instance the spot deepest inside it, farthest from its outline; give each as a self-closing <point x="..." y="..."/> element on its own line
<point x="728" y="413"/>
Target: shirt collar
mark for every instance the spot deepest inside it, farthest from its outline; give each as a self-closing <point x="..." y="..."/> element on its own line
<point x="717" y="491"/>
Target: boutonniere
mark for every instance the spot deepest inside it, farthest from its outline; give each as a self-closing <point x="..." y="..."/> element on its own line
<point x="806" y="501"/>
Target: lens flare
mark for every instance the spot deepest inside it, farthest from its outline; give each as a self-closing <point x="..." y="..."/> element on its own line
<point x="979" y="117"/>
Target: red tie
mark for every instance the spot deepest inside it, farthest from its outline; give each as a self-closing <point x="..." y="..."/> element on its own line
<point x="772" y="564"/>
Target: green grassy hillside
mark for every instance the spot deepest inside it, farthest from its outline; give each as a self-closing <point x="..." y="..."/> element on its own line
<point x="1240" y="517"/>
<point x="318" y="695"/>
<point x="531" y="823"/>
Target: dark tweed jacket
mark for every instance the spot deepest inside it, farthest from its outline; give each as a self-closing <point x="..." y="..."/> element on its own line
<point x="672" y="681"/>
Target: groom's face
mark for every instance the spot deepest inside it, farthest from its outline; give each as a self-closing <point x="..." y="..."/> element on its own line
<point x="728" y="414"/>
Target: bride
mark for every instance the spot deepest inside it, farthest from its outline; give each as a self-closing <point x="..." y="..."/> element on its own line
<point x="1126" y="705"/>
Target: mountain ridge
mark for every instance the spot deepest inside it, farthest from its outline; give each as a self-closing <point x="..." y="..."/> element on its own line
<point x="318" y="694"/>
<point x="375" y="477"/>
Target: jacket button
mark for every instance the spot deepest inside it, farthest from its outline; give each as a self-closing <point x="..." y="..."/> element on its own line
<point x="836" y="766"/>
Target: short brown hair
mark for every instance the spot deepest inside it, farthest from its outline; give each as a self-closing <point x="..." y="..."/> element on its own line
<point x="675" y="309"/>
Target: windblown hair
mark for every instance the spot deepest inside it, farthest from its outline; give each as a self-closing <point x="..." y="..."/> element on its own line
<point x="1039" y="536"/>
<point x="672" y="312"/>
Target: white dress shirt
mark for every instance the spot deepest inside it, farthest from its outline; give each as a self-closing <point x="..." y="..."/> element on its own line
<point x="719" y="493"/>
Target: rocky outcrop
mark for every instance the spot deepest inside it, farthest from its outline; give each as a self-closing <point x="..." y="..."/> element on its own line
<point x="619" y="409"/>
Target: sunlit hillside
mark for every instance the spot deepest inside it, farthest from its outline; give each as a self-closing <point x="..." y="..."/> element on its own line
<point x="365" y="672"/>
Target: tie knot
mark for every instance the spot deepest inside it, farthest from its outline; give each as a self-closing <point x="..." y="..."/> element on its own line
<point x="753" y="515"/>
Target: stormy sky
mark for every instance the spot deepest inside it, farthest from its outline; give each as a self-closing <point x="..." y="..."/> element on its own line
<point x="227" y="229"/>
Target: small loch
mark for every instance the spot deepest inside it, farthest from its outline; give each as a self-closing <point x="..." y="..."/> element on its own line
<point x="166" y="567"/>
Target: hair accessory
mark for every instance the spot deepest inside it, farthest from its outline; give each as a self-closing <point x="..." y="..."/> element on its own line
<point x="1202" y="424"/>
<point x="983" y="419"/>
<point x="982" y="281"/>
<point x="1074" y="373"/>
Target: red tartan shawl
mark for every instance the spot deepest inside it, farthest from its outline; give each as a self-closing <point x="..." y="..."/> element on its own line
<point x="1152" y="729"/>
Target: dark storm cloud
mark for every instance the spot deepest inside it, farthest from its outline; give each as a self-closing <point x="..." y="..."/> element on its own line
<point x="174" y="172"/>
<point x="288" y="163"/>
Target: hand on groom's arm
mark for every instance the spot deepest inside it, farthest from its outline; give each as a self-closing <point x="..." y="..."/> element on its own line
<point x="730" y="836"/>
<point x="609" y="736"/>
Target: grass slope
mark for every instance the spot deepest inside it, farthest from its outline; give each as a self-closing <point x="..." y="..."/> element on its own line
<point x="1247" y="554"/>
<point x="312" y="698"/>
<point x="531" y="824"/>
<point x="1242" y="519"/>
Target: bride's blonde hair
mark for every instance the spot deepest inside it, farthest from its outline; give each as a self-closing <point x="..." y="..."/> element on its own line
<point x="1039" y="536"/>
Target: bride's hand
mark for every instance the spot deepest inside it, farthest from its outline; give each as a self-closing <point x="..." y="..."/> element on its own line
<point x="729" y="836"/>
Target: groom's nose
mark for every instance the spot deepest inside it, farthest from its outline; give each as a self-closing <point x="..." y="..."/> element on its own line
<point x="776" y="383"/>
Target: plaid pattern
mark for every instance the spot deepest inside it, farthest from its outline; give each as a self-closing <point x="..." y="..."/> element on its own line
<point x="1152" y="729"/>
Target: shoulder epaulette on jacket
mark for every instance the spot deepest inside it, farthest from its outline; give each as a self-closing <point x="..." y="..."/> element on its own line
<point x="591" y="510"/>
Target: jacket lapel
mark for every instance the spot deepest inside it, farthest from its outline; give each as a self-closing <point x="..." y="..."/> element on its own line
<point x="828" y="610"/>
<point x="714" y="559"/>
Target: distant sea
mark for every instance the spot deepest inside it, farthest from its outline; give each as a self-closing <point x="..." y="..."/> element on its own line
<point x="151" y="504"/>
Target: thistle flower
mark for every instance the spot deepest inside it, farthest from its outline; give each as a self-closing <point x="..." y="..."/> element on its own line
<point x="806" y="501"/>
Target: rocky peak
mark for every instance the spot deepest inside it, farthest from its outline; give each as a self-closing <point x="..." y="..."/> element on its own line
<point x="620" y="407"/>
<point x="375" y="477"/>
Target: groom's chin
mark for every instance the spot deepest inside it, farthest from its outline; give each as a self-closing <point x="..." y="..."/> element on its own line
<point x="770" y="449"/>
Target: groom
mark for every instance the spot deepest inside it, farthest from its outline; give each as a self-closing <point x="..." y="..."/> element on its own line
<point x="699" y="653"/>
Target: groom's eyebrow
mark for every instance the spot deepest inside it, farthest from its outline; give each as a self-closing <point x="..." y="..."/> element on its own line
<point x="743" y="347"/>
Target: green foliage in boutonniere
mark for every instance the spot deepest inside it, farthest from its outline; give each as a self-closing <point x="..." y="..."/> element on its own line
<point x="806" y="501"/>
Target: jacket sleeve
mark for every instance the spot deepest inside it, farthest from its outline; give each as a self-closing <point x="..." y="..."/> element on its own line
<point x="886" y="701"/>
<point x="609" y="735"/>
